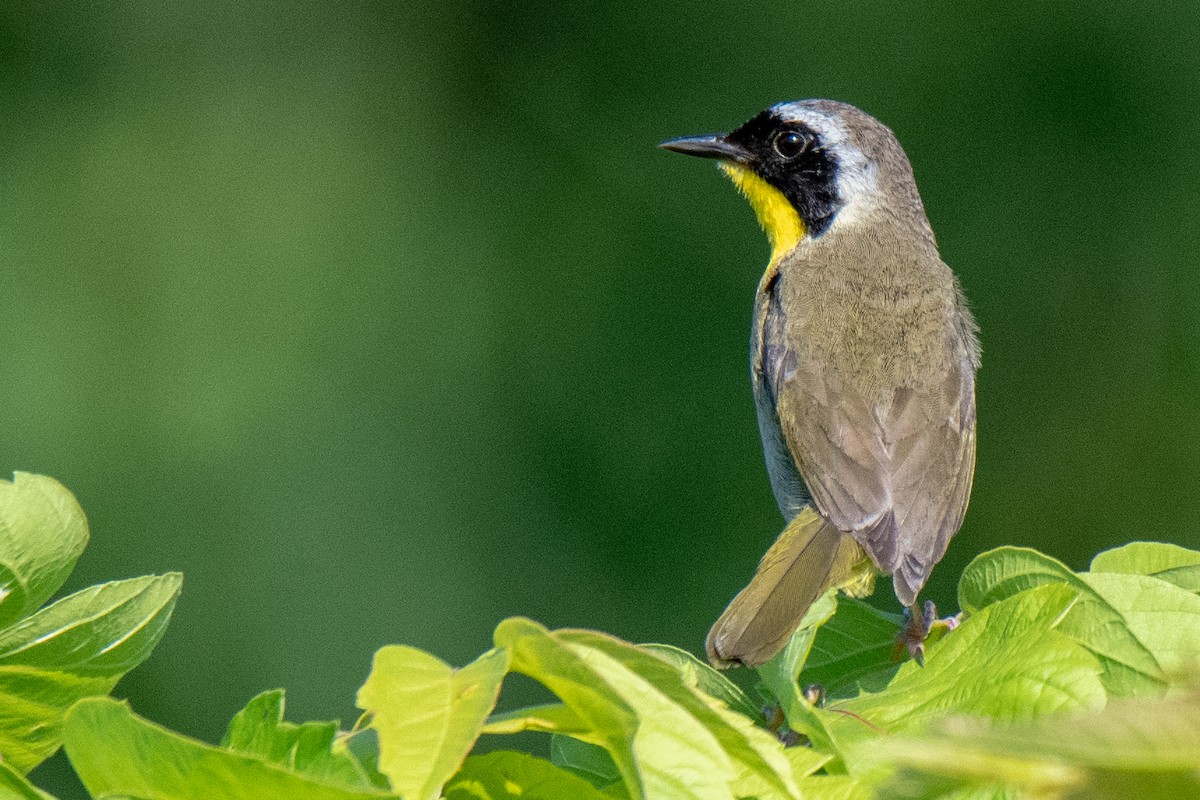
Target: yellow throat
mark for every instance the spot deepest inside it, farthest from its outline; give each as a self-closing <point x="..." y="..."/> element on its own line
<point x="776" y="214"/>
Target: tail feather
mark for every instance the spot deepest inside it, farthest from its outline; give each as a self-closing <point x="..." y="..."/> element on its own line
<point x="810" y="557"/>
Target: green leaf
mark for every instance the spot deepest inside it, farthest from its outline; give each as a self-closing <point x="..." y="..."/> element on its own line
<point x="14" y="786"/>
<point x="1171" y="563"/>
<point x="911" y="786"/>
<point x="506" y="775"/>
<point x="116" y="752"/>
<point x="708" y="680"/>
<point x="588" y="761"/>
<point x="548" y="718"/>
<point x="310" y="748"/>
<point x="835" y="787"/>
<point x="597" y="709"/>
<point x="1132" y="749"/>
<point x="854" y="650"/>
<point x="1140" y="627"/>
<point x="78" y="647"/>
<point x="1129" y="667"/>
<point x="805" y="760"/>
<point x="1164" y="618"/>
<point x="756" y="753"/>
<point x="32" y="705"/>
<point x="363" y="746"/>
<point x="666" y="739"/>
<point x="1006" y="662"/>
<point x="428" y="714"/>
<point x="102" y="631"/>
<point x="780" y="675"/>
<point x="42" y="533"/>
<point x="1006" y="571"/>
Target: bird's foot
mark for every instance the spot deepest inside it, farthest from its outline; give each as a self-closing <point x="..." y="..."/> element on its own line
<point x="776" y="721"/>
<point x="916" y="629"/>
<point x="920" y="628"/>
<point x="777" y="724"/>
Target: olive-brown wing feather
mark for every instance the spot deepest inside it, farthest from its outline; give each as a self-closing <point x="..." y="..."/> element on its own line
<point x="893" y="466"/>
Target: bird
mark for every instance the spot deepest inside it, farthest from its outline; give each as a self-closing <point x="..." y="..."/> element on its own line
<point x="863" y="358"/>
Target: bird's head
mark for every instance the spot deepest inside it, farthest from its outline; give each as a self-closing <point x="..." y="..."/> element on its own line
<point x="811" y="167"/>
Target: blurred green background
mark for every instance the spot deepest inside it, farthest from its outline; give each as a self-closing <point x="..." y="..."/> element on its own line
<point x="385" y="321"/>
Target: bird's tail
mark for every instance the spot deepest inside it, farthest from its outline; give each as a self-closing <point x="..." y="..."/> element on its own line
<point x="810" y="557"/>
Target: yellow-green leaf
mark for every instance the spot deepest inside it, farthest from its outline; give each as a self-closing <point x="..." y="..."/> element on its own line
<point x="1171" y="563"/>
<point x="1138" y="748"/>
<point x="14" y="786"/>
<point x="428" y="714"/>
<point x="117" y="753"/>
<point x="1164" y="618"/>
<point x="75" y="648"/>
<point x="1129" y="668"/>
<point x="1006" y="662"/>
<point x="42" y="532"/>
<point x="309" y="748"/>
<point x="507" y="775"/>
<point x="780" y="675"/>
<point x="666" y="738"/>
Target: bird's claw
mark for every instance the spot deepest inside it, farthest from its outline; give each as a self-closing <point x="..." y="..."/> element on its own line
<point x="916" y="630"/>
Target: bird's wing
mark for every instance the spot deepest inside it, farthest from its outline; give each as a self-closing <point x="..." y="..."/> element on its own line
<point x="766" y="359"/>
<point x="895" y="472"/>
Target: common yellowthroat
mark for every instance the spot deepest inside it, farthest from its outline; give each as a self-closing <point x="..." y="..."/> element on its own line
<point x="862" y="357"/>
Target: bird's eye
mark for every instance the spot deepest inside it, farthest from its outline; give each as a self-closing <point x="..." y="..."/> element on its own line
<point x="790" y="144"/>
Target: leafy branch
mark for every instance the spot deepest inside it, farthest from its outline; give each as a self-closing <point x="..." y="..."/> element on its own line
<point x="1055" y="684"/>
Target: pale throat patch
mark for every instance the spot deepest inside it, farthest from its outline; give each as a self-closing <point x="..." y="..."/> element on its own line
<point x="776" y="214"/>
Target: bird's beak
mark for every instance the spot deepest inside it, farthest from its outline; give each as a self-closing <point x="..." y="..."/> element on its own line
<point x="714" y="146"/>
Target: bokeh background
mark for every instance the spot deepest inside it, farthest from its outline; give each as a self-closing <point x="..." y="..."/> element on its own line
<point x="383" y="321"/>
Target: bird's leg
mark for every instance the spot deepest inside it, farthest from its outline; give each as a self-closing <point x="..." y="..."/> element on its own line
<point x="918" y="623"/>
<point x="921" y="625"/>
